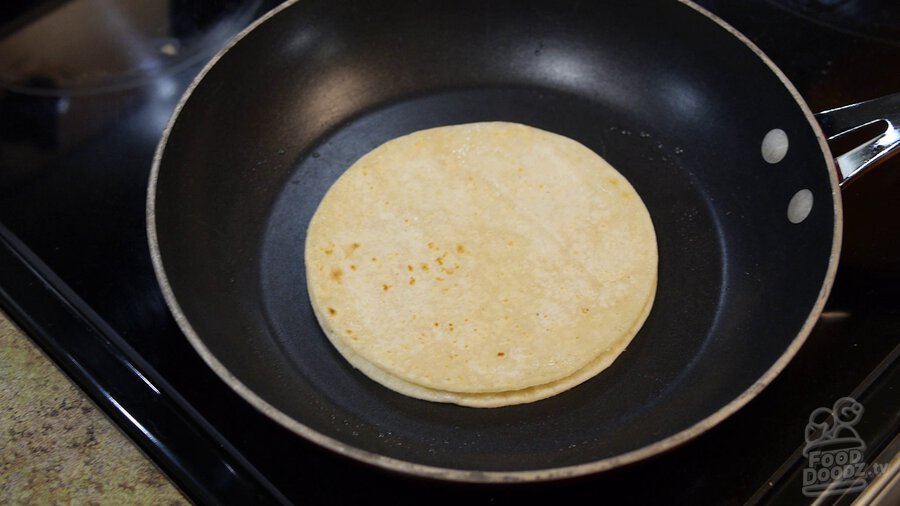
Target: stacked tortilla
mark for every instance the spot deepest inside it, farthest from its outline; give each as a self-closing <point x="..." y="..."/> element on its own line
<point x="484" y="264"/>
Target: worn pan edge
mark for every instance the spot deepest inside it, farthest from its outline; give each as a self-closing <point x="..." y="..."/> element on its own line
<point x="472" y="476"/>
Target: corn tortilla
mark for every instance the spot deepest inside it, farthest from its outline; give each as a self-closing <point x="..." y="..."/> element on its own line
<point x="483" y="264"/>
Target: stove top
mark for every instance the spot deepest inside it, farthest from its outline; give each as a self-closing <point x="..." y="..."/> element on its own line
<point x="86" y="88"/>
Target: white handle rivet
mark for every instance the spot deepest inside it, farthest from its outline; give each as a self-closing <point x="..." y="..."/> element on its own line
<point x="775" y="145"/>
<point x="800" y="206"/>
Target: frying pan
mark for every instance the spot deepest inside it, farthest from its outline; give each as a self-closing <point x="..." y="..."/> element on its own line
<point x="731" y="163"/>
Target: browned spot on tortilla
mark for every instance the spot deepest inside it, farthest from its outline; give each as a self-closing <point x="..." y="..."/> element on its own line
<point x="432" y="246"/>
<point x="349" y="332"/>
<point x="409" y="268"/>
<point x="412" y="281"/>
<point x="386" y="287"/>
<point x="424" y="267"/>
<point x="329" y="250"/>
<point x="332" y="311"/>
<point x="460" y="248"/>
<point x="336" y="274"/>
<point x="585" y="310"/>
<point x="352" y="267"/>
<point x="501" y="354"/>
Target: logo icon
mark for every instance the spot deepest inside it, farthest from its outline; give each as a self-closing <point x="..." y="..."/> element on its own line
<point x="834" y="450"/>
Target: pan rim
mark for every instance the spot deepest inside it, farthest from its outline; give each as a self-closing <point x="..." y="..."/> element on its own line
<point x="475" y="476"/>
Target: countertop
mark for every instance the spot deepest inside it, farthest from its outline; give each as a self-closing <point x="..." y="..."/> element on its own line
<point x="56" y="447"/>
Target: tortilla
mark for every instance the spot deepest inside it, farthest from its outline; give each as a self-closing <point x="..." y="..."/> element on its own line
<point x="483" y="264"/>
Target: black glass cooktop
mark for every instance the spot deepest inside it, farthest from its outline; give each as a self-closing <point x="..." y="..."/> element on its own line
<point x="86" y="88"/>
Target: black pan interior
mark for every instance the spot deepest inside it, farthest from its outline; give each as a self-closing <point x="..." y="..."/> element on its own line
<point x="675" y="102"/>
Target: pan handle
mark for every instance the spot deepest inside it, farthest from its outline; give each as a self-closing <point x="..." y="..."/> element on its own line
<point x="837" y="122"/>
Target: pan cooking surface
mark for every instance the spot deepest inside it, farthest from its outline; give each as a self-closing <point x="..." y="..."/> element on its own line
<point x="625" y="392"/>
<point x="245" y="166"/>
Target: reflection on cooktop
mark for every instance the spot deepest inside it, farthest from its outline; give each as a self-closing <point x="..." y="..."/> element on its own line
<point x="876" y="19"/>
<point x="89" y="46"/>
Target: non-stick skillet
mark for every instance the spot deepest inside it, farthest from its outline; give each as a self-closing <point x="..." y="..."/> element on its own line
<point x="732" y="164"/>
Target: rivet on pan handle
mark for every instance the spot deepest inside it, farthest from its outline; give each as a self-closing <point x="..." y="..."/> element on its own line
<point x="837" y="122"/>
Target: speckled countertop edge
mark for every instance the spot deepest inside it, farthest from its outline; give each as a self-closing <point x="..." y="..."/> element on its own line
<point x="56" y="446"/>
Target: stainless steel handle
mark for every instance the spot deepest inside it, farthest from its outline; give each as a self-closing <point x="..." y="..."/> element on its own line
<point x="837" y="122"/>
